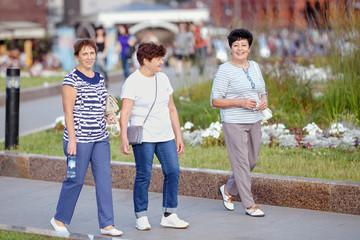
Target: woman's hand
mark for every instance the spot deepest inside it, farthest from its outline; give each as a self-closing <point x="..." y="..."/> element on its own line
<point x="179" y="146"/>
<point x="71" y="147"/>
<point x="249" y="103"/>
<point x="125" y="146"/>
<point x="264" y="102"/>
<point x="110" y="118"/>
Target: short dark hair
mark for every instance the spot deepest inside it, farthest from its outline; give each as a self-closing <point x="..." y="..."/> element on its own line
<point x="149" y="50"/>
<point x="238" y="34"/>
<point x="81" y="43"/>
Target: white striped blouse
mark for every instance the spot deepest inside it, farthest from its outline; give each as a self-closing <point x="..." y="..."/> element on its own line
<point x="232" y="82"/>
<point x="89" y="109"/>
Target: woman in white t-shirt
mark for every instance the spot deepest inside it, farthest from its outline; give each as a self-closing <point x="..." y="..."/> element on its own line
<point x="139" y="92"/>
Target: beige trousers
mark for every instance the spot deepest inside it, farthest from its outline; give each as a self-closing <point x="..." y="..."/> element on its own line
<point x="243" y="142"/>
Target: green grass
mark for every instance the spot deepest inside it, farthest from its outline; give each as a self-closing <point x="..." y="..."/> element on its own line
<point x="28" y="82"/>
<point x="335" y="164"/>
<point x="12" y="235"/>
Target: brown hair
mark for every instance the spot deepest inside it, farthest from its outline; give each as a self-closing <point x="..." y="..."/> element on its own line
<point x="80" y="44"/>
<point x="149" y="50"/>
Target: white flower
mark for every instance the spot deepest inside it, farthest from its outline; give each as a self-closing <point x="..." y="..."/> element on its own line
<point x="188" y="125"/>
<point x="312" y="129"/>
<point x="275" y="130"/>
<point x="265" y="138"/>
<point x="193" y="138"/>
<point x="205" y="133"/>
<point x="216" y="126"/>
<point x="288" y="140"/>
<point x="337" y="128"/>
<point x="60" y="120"/>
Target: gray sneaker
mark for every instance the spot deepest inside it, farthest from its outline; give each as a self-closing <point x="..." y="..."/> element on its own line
<point x="173" y="221"/>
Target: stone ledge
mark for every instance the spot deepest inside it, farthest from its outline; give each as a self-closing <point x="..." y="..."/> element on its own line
<point x="285" y="191"/>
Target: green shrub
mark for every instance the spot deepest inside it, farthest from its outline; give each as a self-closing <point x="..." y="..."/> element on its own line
<point x="193" y="104"/>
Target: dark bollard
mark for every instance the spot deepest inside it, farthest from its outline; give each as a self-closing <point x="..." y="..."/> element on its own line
<point x="12" y="107"/>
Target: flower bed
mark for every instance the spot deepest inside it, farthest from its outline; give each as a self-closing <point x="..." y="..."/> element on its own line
<point x="311" y="136"/>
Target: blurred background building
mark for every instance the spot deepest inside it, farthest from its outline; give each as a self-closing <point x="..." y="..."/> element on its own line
<point x="33" y="31"/>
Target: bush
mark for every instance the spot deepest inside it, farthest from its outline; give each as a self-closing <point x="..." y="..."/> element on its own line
<point x="193" y="104"/>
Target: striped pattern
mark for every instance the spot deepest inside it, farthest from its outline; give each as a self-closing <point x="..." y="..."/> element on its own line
<point x="231" y="82"/>
<point x="89" y="109"/>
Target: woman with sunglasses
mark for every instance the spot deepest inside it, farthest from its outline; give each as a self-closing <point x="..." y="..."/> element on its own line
<point x="239" y="91"/>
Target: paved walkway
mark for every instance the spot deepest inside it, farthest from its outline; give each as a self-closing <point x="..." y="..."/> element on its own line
<point x="32" y="203"/>
<point x="28" y="205"/>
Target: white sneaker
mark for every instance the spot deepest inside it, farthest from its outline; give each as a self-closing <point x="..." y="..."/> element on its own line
<point x="255" y="211"/>
<point x="61" y="230"/>
<point x="227" y="200"/>
<point x="111" y="232"/>
<point x="173" y="221"/>
<point x="142" y="223"/>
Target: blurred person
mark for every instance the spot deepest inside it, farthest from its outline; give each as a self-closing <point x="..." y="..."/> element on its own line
<point x="239" y="91"/>
<point x="145" y="87"/>
<point x="149" y="37"/>
<point x="182" y="45"/>
<point x="202" y="44"/>
<point x="102" y="43"/>
<point x="86" y="137"/>
<point x="126" y="46"/>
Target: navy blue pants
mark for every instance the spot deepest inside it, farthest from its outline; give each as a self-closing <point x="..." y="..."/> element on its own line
<point x="98" y="153"/>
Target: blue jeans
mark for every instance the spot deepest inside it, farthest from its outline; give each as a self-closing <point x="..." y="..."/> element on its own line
<point x="126" y="64"/>
<point x="98" y="153"/>
<point x="144" y="156"/>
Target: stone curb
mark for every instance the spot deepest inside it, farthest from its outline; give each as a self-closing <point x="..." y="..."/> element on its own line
<point x="284" y="191"/>
<point x="53" y="233"/>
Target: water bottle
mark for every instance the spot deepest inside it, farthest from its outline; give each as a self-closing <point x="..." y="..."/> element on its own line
<point x="71" y="166"/>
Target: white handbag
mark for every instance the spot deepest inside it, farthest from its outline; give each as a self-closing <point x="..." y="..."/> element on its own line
<point x="266" y="114"/>
<point x="111" y="105"/>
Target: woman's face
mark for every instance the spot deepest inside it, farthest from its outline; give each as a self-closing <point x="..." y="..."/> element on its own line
<point x="240" y="49"/>
<point x="155" y="64"/>
<point x="100" y="32"/>
<point x="122" y="30"/>
<point x="86" y="57"/>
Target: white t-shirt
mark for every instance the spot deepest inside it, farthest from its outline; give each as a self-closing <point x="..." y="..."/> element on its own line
<point x="141" y="89"/>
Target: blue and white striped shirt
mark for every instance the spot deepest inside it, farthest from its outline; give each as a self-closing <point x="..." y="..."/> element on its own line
<point x="89" y="109"/>
<point x="231" y="82"/>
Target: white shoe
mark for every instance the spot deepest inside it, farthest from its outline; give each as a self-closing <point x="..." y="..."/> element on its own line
<point x="111" y="232"/>
<point x="62" y="230"/>
<point x="173" y="221"/>
<point x="227" y="200"/>
<point x="142" y="223"/>
<point x="255" y="211"/>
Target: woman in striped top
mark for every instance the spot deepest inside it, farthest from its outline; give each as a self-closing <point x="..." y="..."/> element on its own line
<point x="85" y="135"/>
<point x="239" y="90"/>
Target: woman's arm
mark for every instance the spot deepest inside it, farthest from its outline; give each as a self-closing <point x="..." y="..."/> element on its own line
<point x="131" y="41"/>
<point x="68" y="99"/>
<point x="117" y="47"/>
<point x="126" y="107"/>
<point x="228" y="103"/>
<point x="176" y="126"/>
<point x="106" y="46"/>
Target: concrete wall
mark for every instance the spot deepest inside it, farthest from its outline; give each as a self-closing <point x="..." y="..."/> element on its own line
<point x="296" y="192"/>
